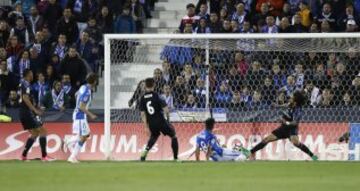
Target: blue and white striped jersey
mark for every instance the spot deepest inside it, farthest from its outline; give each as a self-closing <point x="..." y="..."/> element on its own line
<point x="206" y="140"/>
<point x="83" y="95"/>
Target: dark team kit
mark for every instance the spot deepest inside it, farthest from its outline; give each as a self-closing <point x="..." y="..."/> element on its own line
<point x="28" y="119"/>
<point x="153" y="106"/>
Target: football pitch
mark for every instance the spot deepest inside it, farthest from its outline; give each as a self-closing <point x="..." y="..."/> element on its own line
<point x="173" y="176"/>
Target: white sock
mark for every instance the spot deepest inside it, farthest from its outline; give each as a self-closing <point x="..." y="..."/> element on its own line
<point x="72" y="140"/>
<point x="76" y="150"/>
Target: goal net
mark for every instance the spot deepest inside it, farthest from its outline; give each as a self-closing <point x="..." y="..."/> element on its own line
<point x="243" y="81"/>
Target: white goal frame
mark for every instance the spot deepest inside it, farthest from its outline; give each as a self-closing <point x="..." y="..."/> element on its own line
<point x="107" y="61"/>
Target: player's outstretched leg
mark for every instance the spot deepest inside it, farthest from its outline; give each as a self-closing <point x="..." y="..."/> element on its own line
<point x="29" y="143"/>
<point x="150" y="144"/>
<point x="295" y="140"/>
<point x="262" y="144"/>
<point x="175" y="147"/>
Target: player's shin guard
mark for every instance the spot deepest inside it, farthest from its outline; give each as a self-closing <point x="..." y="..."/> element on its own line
<point x="305" y="149"/>
<point x="28" y="145"/>
<point x="259" y="146"/>
<point x="77" y="149"/>
<point x="43" y="143"/>
<point x="175" y="147"/>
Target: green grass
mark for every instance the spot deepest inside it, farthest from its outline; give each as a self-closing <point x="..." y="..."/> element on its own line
<point x="171" y="176"/>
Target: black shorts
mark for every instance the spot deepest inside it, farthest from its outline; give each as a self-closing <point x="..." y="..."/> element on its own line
<point x="286" y="131"/>
<point x="29" y="120"/>
<point x="164" y="128"/>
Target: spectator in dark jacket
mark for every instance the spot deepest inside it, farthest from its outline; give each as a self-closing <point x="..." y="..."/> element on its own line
<point x="258" y="20"/>
<point x="214" y="24"/>
<point x="8" y="81"/>
<point x="124" y="23"/>
<point x="40" y="48"/>
<point x="52" y="14"/>
<point x="35" y="21"/>
<point x="105" y="20"/>
<point x="87" y="50"/>
<point x="285" y="26"/>
<point x="67" y="26"/>
<point x="94" y="31"/>
<point x="298" y="27"/>
<point x="24" y="35"/>
<point x="13" y="100"/>
<point x="4" y="33"/>
<point x="37" y="62"/>
<point x="74" y="66"/>
<point x="138" y="14"/>
<point x="327" y="15"/>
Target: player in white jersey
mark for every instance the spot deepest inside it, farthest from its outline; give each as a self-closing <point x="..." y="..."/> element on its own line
<point x="80" y="127"/>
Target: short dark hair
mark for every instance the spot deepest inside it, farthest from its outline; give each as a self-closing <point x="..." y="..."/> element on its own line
<point x="149" y="82"/>
<point x="190" y="5"/>
<point x="91" y="78"/>
<point x="299" y="98"/>
<point x="209" y="123"/>
<point x="26" y="72"/>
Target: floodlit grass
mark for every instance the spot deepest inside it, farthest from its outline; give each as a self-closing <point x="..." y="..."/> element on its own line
<point x="173" y="176"/>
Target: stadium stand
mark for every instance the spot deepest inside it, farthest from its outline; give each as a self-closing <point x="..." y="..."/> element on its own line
<point x="60" y="41"/>
<point x="255" y="80"/>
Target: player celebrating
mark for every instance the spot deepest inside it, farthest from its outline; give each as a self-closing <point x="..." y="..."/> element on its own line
<point x="289" y="127"/>
<point x="30" y="118"/>
<point x="206" y="141"/>
<point x="81" y="130"/>
<point x="153" y="109"/>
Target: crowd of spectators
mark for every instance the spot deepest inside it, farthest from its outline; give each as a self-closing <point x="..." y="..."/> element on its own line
<point x="240" y="79"/>
<point x="271" y="16"/>
<point x="60" y="41"/>
<point x="260" y="80"/>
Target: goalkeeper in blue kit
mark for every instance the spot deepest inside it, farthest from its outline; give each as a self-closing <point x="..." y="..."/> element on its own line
<point x="206" y="141"/>
<point x="289" y="127"/>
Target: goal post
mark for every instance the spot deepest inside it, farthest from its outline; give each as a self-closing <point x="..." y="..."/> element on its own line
<point x="247" y="109"/>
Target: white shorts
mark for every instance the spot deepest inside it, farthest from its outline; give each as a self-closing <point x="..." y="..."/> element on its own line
<point x="228" y="155"/>
<point x="81" y="127"/>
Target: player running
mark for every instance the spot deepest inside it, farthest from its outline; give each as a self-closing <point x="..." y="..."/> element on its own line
<point x="206" y="141"/>
<point x="30" y="118"/>
<point x="153" y="109"/>
<point x="81" y="130"/>
<point x="289" y="127"/>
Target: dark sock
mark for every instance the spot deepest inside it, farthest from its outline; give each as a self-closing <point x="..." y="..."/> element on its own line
<point x="175" y="147"/>
<point x="43" y="143"/>
<point x="28" y="145"/>
<point x="259" y="146"/>
<point x="305" y="149"/>
<point x="151" y="142"/>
